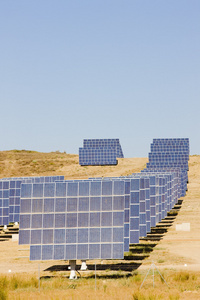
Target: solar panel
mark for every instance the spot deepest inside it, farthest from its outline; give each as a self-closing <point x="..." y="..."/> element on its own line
<point x="10" y="199"/>
<point x="127" y="203"/>
<point x="14" y="200"/>
<point x="171" y="154"/>
<point x="104" y="143"/>
<point x="127" y="216"/>
<point x="134" y="210"/>
<point x="126" y="207"/>
<point x="4" y="202"/>
<point x="100" y="152"/>
<point x="97" y="156"/>
<point x="73" y="220"/>
<point x="164" y="193"/>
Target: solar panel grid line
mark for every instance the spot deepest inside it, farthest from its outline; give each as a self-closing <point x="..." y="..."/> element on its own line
<point x="165" y="199"/>
<point x="104" y="157"/>
<point x="174" y="182"/>
<point x="126" y="213"/>
<point x="144" y="225"/>
<point x="143" y="212"/>
<point x="126" y="208"/>
<point x="170" y="153"/>
<point x="182" y="181"/>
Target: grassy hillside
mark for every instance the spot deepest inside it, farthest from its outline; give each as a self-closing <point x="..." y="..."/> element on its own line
<point x="31" y="163"/>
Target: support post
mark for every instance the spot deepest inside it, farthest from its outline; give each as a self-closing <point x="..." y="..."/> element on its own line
<point x="83" y="265"/>
<point x="72" y="264"/>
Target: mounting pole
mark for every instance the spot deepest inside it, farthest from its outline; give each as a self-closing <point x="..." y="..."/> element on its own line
<point x="83" y="265"/>
<point x="72" y="264"/>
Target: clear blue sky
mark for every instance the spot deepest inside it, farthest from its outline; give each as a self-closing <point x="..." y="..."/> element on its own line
<point x="73" y="69"/>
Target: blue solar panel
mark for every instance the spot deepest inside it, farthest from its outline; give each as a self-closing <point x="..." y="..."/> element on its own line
<point x="4" y="202"/>
<point x="10" y="199"/>
<point x="104" y="143"/>
<point x="127" y="216"/>
<point x="164" y="194"/>
<point x="100" y="152"/>
<point x="126" y="207"/>
<point x="14" y="200"/>
<point x="97" y="156"/>
<point x="134" y="210"/>
<point x="171" y="154"/>
<point x="86" y="216"/>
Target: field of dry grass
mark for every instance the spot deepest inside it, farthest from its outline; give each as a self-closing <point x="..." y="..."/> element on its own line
<point x="176" y="255"/>
<point x="31" y="163"/>
<point x="180" y="285"/>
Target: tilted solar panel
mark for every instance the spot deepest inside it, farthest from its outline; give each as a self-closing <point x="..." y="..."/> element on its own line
<point x="73" y="220"/>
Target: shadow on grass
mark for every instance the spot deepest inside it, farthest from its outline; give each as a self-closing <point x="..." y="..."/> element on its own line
<point x="92" y="276"/>
<point x="109" y="276"/>
<point x="127" y="267"/>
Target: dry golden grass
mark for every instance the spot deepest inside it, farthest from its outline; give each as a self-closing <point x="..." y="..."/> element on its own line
<point x="181" y="285"/>
<point x="31" y="163"/>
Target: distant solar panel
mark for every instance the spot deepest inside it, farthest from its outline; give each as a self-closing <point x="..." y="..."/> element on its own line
<point x="100" y="152"/>
<point x="95" y="156"/>
<point x="104" y="143"/>
<point x="171" y="154"/>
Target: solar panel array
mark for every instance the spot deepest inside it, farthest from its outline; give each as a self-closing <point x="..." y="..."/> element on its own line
<point x="134" y="197"/>
<point x="169" y="154"/>
<point x="100" y="152"/>
<point x="97" y="218"/>
<point x="10" y="191"/>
